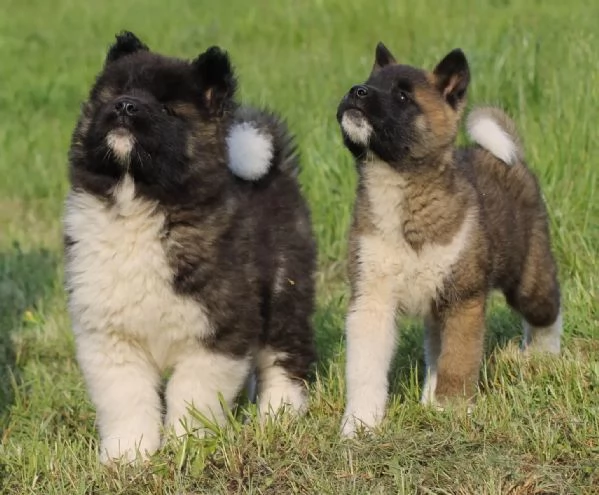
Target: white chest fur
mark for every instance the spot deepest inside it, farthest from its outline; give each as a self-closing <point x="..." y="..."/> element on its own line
<point x="416" y="276"/>
<point x="119" y="278"/>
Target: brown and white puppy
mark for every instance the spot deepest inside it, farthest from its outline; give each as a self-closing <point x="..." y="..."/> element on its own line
<point x="435" y="229"/>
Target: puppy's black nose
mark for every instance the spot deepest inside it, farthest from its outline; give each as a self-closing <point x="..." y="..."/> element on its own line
<point x="359" y="91"/>
<point x="125" y="107"/>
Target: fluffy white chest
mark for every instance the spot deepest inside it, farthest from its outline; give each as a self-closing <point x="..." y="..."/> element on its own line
<point x="119" y="278"/>
<point x="416" y="277"/>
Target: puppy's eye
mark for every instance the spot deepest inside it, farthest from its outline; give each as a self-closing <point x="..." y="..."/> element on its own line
<point x="403" y="97"/>
<point x="168" y="110"/>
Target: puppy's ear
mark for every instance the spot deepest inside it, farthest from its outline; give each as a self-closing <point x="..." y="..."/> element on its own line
<point x="126" y="43"/>
<point x="452" y="76"/>
<point x="382" y="57"/>
<point x="216" y="77"/>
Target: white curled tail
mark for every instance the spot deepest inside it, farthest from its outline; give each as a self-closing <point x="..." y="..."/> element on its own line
<point x="492" y="129"/>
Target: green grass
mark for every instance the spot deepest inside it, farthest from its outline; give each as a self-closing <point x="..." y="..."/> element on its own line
<point x="536" y="427"/>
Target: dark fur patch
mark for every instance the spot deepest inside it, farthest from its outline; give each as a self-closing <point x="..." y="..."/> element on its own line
<point x="452" y="76"/>
<point x="214" y="69"/>
<point x="126" y="43"/>
<point x="382" y="57"/>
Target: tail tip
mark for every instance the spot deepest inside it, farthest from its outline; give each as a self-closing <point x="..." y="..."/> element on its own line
<point x="488" y="130"/>
<point x="250" y="151"/>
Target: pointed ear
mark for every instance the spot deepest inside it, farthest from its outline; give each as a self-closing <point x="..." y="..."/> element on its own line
<point x="382" y="57"/>
<point x="126" y="43"/>
<point x="217" y="78"/>
<point x="452" y="76"/>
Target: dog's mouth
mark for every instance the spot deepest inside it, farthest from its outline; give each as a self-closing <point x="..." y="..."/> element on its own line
<point x="356" y="115"/>
<point x="120" y="141"/>
<point x="355" y="125"/>
<point x="123" y="122"/>
<point x="121" y="130"/>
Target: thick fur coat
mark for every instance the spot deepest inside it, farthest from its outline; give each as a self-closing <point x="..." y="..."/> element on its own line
<point x="435" y="229"/>
<point x="188" y="247"/>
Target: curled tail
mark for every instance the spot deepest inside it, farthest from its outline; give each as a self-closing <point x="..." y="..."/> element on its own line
<point x="492" y="129"/>
<point x="258" y="142"/>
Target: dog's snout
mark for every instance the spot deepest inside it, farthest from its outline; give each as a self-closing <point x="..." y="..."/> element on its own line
<point x="125" y="107"/>
<point x="359" y="91"/>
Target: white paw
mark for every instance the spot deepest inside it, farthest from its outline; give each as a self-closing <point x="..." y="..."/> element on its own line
<point x="352" y="423"/>
<point x="186" y="424"/>
<point x="348" y="427"/>
<point x="128" y="448"/>
<point x="291" y="398"/>
<point x="277" y="390"/>
<point x="429" y="387"/>
<point x="543" y="339"/>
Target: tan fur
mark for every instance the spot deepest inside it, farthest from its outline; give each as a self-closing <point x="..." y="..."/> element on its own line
<point x="106" y="94"/>
<point x="407" y="229"/>
<point x="460" y="335"/>
<point x="184" y="109"/>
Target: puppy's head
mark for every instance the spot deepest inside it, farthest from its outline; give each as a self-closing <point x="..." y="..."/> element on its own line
<point x="155" y="116"/>
<point x="402" y="112"/>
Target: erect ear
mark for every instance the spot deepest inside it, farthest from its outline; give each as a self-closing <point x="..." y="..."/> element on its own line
<point x="217" y="78"/>
<point x="382" y="57"/>
<point x="126" y="43"/>
<point x="452" y="76"/>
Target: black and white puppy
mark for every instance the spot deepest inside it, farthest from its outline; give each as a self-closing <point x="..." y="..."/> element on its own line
<point x="188" y="248"/>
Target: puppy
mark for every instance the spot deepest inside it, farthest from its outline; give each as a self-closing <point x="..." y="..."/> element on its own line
<point x="188" y="247"/>
<point x="435" y="229"/>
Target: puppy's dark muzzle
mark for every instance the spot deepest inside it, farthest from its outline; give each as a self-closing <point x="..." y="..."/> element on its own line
<point x="358" y="92"/>
<point x="127" y="110"/>
<point x="125" y="107"/>
<point x="353" y="100"/>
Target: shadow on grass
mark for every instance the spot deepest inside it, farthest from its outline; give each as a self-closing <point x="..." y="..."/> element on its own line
<point x="26" y="277"/>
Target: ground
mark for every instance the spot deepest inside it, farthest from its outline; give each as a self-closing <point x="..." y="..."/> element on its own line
<point x="536" y="426"/>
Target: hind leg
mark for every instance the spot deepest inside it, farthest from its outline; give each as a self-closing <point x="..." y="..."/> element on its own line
<point x="544" y="338"/>
<point x="287" y="353"/>
<point x="279" y="384"/>
<point x="432" y="350"/>
<point x="537" y="299"/>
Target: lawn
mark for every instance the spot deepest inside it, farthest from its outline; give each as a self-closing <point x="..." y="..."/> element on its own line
<point x="536" y="426"/>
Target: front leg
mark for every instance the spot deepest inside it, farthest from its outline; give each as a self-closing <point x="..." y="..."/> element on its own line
<point x="123" y="385"/>
<point x="371" y="339"/>
<point x="462" y="338"/>
<point x="199" y="376"/>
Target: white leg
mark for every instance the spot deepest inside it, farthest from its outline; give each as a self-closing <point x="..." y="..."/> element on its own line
<point x="123" y="385"/>
<point x="543" y="339"/>
<point x="197" y="380"/>
<point x="371" y="339"/>
<point x="276" y="388"/>
<point x="432" y="349"/>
